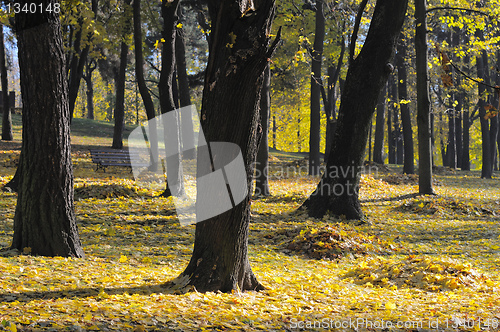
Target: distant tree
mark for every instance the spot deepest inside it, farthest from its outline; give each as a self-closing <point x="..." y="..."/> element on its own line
<point x="119" y="112"/>
<point x="262" y="161"/>
<point x="408" y="167"/>
<point x="6" y="117"/>
<point x="239" y="54"/>
<point x="378" y="144"/>
<point x="337" y="191"/>
<point x="90" y="66"/>
<point x="44" y="221"/>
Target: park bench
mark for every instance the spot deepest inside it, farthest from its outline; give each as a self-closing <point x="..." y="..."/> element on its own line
<point x="105" y="158"/>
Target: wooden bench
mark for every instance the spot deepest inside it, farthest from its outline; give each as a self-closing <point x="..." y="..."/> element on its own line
<point x="106" y="158"/>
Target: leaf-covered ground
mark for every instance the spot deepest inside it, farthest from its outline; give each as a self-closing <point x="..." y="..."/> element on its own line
<point x="420" y="264"/>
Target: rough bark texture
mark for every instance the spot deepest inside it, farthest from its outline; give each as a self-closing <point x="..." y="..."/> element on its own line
<point x="262" y="161"/>
<point x="378" y="144"/>
<point x="44" y="220"/>
<point x="6" y="113"/>
<point x="232" y="91"/>
<point x="423" y="101"/>
<point x="90" y="66"/>
<point x="317" y="56"/>
<point x="391" y="111"/>
<point x="338" y="190"/>
<point x="408" y="167"/>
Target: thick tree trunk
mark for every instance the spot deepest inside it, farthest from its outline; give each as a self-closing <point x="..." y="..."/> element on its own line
<point x="6" y="113"/>
<point x="338" y="190"/>
<point x="232" y="91"/>
<point x="316" y="81"/>
<point x="262" y="161"/>
<point x="423" y="101"/>
<point x="408" y="166"/>
<point x="119" y="112"/>
<point x="44" y="222"/>
<point x="143" y="89"/>
<point x="378" y="144"/>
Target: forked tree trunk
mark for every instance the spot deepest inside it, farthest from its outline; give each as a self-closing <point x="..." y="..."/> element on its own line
<point x="230" y="113"/>
<point x="338" y="190"/>
<point x="44" y="221"/>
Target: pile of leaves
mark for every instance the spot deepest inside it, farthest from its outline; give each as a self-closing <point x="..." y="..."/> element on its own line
<point x="428" y="206"/>
<point x="429" y="274"/>
<point x="334" y="242"/>
<point x="103" y="190"/>
<point x="398" y="178"/>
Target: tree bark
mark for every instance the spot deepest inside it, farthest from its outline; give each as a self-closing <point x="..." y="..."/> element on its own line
<point x="262" y="161"/>
<point x="337" y="191"/>
<point x="6" y="112"/>
<point x="232" y="91"/>
<point x="90" y="66"/>
<point x="423" y="101"/>
<point x="408" y="166"/>
<point x="168" y="98"/>
<point x="378" y="144"/>
<point x="143" y="89"/>
<point x="482" y="72"/>
<point x="44" y="221"/>
<point x="391" y="133"/>
<point x="119" y="112"/>
<point x="316" y="81"/>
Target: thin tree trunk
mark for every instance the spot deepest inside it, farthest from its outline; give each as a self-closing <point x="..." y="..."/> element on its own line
<point x="90" y="66"/>
<point x="262" y="165"/>
<point x="378" y="144"/>
<point x="337" y="191"/>
<point x="119" y="113"/>
<point x="143" y="89"/>
<point x="6" y="116"/>
<point x="482" y="72"/>
<point x="44" y="221"/>
<point x="391" y="134"/>
<point x="423" y="101"/>
<point x="408" y="166"/>
<point x="317" y="57"/>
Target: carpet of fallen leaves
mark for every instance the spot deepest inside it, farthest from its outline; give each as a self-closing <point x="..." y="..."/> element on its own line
<point x="419" y="264"/>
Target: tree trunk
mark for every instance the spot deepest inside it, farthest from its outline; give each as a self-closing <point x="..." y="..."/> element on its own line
<point x="391" y="134"/>
<point x="316" y="81"/>
<point x="262" y="161"/>
<point x="77" y="65"/>
<point x="456" y="39"/>
<point x="143" y="89"/>
<point x="184" y="91"/>
<point x="90" y="66"/>
<point x="44" y="221"/>
<point x="232" y="91"/>
<point x="119" y="113"/>
<point x="408" y="166"/>
<point x="482" y="72"/>
<point x="378" y="144"/>
<point x="423" y="101"/>
<point x="6" y="113"/>
<point x="337" y="191"/>
<point x="465" y="164"/>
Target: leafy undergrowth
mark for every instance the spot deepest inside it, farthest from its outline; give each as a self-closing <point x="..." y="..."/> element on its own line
<point x="134" y="245"/>
<point x="426" y="273"/>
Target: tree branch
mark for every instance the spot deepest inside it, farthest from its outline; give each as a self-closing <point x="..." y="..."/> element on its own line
<point x="354" y="36"/>
<point x="474" y="79"/>
<point x="456" y="8"/>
